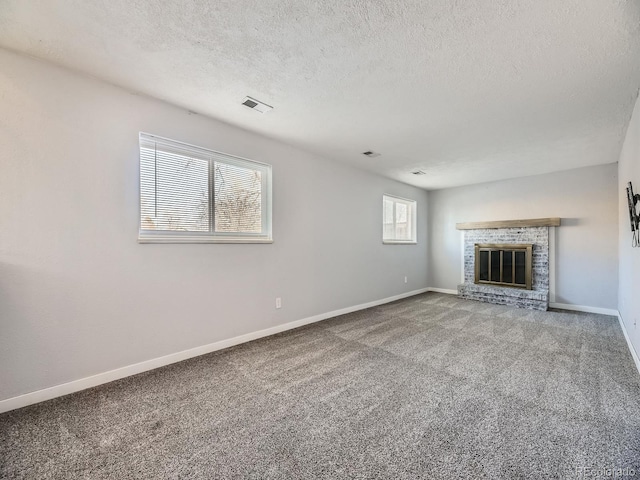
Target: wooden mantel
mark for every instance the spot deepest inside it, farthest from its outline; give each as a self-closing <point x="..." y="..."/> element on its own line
<point x="532" y="222"/>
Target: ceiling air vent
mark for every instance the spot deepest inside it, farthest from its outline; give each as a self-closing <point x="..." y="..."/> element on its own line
<point x="371" y="154"/>
<point x="256" y="105"/>
<point x="419" y="172"/>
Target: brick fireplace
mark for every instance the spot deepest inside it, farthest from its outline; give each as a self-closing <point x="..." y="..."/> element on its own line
<point x="509" y="236"/>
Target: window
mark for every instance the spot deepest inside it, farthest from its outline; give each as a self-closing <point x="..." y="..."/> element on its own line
<point x="190" y="194"/>
<point x="398" y="220"/>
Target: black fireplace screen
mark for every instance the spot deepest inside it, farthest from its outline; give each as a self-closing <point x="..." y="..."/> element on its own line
<point x="505" y="265"/>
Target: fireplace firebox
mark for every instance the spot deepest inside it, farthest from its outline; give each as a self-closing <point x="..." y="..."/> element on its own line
<point x="506" y="265"/>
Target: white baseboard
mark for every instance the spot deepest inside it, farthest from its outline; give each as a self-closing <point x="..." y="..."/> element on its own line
<point x="634" y="354"/>
<point x="579" y="308"/>
<point x="584" y="308"/>
<point x="562" y="306"/>
<point x="105" y="377"/>
<point x="443" y="290"/>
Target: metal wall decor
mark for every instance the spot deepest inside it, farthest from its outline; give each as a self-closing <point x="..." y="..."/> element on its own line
<point x="634" y="215"/>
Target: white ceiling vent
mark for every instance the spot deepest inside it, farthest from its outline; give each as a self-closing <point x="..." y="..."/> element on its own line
<point x="371" y="154"/>
<point x="256" y="105"/>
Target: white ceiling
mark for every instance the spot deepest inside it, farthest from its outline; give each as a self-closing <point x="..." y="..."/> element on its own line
<point x="463" y="90"/>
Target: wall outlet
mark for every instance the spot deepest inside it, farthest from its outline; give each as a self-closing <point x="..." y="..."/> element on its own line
<point x="278" y="302"/>
<point x="405" y="279"/>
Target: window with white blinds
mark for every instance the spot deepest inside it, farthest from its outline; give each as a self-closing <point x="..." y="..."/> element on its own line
<point x="191" y="194"/>
<point x="398" y="220"/>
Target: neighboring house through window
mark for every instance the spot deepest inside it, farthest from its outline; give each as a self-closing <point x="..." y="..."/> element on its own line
<point x="190" y="194"/>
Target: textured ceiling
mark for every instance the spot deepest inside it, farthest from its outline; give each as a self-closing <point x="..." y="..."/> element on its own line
<point x="463" y="90"/>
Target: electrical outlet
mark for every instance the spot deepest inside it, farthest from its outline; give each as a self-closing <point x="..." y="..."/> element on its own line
<point x="278" y="302"/>
<point x="405" y="279"/>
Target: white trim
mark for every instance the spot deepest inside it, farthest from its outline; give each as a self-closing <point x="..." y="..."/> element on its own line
<point x="204" y="152"/>
<point x="584" y="308"/>
<point x="636" y="360"/>
<point x="412" y="205"/>
<point x="443" y="290"/>
<point x="551" y="235"/>
<point x="562" y="306"/>
<point x="408" y="200"/>
<point x="168" y="238"/>
<point x="578" y="308"/>
<point x="105" y="377"/>
<point x="462" y="256"/>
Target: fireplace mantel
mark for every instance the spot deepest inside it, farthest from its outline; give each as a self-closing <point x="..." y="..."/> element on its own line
<point x="532" y="222"/>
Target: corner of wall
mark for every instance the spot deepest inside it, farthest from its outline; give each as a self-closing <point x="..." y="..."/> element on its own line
<point x="629" y="257"/>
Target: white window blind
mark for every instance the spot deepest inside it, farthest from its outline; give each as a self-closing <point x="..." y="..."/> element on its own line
<point x="191" y="194"/>
<point x="398" y="220"/>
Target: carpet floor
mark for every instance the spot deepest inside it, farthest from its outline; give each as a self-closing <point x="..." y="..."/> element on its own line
<point x="430" y="387"/>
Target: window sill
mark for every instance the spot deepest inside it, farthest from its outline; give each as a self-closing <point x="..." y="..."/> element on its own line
<point x="199" y="239"/>
<point x="399" y="242"/>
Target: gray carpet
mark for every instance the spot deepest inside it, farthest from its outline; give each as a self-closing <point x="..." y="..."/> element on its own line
<point x="427" y="387"/>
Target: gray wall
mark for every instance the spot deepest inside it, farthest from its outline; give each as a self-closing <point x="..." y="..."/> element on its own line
<point x="586" y="243"/>
<point x="629" y="268"/>
<point x="78" y="294"/>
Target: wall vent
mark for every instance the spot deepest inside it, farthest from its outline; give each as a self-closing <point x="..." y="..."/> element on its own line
<point x="371" y="154"/>
<point x="256" y="105"/>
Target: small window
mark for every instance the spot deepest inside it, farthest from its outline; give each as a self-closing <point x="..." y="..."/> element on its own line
<point x="194" y="195"/>
<point x="398" y="220"/>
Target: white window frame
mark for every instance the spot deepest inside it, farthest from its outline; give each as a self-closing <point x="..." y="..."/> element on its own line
<point x="412" y="205"/>
<point x="171" y="236"/>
